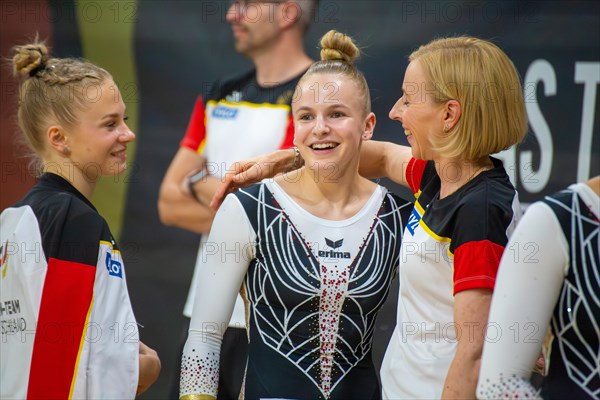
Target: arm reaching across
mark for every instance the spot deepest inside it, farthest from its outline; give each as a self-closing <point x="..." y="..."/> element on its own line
<point x="384" y="159"/>
<point x="254" y="170"/>
<point x="377" y="159"/>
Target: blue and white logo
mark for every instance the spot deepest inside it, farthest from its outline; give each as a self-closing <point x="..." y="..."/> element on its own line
<point x="222" y="112"/>
<point x="413" y="221"/>
<point x="114" y="267"/>
<point x="334" y="244"/>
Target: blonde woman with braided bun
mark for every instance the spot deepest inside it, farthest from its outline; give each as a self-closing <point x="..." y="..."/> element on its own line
<point x="68" y="329"/>
<point x="313" y="251"/>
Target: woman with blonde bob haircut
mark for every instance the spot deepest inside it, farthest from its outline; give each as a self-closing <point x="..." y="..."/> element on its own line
<point x="485" y="82"/>
<point x="461" y="102"/>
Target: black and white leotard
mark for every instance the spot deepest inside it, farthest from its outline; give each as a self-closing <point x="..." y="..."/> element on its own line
<point x="313" y="286"/>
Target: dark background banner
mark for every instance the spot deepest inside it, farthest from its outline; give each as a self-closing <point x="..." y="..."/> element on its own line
<point x="162" y="53"/>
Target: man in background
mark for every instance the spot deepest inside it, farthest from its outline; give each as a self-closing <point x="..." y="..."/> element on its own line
<point x="237" y="119"/>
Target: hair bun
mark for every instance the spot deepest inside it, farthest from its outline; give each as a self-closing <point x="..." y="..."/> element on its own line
<point x="29" y="59"/>
<point x="338" y="46"/>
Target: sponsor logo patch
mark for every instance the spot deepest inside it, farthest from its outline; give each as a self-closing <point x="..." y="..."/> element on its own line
<point x="413" y="221"/>
<point x="334" y="244"/>
<point x="114" y="267"/>
<point x="222" y="112"/>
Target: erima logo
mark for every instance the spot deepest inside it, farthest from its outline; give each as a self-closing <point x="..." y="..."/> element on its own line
<point x="114" y="267"/>
<point x="413" y="221"/>
<point x="334" y="245"/>
<point x="224" y="112"/>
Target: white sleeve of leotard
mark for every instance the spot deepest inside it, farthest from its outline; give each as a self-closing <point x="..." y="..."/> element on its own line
<point x="528" y="284"/>
<point x="225" y="260"/>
